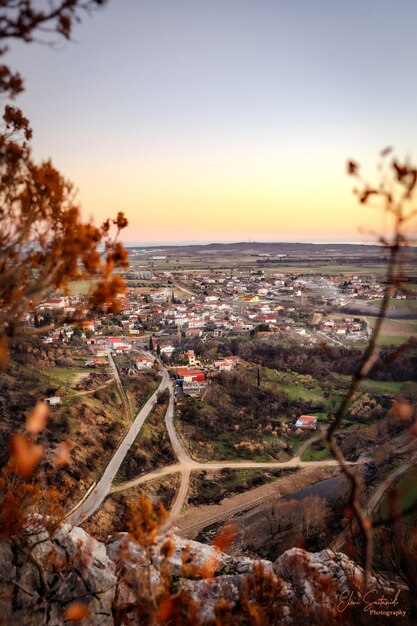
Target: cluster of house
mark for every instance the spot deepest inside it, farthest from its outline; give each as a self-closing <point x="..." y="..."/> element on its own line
<point x="217" y="304"/>
<point x="350" y="328"/>
<point x="192" y="376"/>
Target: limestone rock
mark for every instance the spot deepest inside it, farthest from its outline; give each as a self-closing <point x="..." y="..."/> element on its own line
<point x="39" y="580"/>
<point x="43" y="576"/>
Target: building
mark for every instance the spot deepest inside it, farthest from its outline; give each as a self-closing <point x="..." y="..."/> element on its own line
<point x="191" y="375"/>
<point x="223" y="366"/>
<point x="307" y="422"/>
<point x="192" y="360"/>
<point x="144" y="362"/>
<point x="193" y="388"/>
<point x="53" y="400"/>
<point x="168" y="350"/>
<point x="114" y="343"/>
<point x="55" y="303"/>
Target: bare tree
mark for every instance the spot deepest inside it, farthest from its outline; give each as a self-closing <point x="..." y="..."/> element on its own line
<point x="395" y="191"/>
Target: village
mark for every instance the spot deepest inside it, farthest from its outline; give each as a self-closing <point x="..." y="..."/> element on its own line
<point x="170" y="309"/>
<point x="166" y="317"/>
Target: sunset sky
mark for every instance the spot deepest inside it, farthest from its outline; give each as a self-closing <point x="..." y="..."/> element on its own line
<point x="224" y="120"/>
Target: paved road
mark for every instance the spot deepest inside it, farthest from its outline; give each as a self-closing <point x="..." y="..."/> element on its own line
<point x="114" y="368"/>
<point x="185" y="464"/>
<point x="176" y="443"/>
<point x="145" y="478"/>
<point x="103" y="486"/>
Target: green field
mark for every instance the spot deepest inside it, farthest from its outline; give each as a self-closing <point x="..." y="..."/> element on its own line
<point x="406" y="491"/>
<point x="397" y="305"/>
<point x="316" y="451"/>
<point x="80" y="287"/>
<point x="394" y="332"/>
<point x="303" y="388"/>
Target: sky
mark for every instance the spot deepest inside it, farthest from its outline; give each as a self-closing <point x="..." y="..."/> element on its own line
<point x="226" y="120"/>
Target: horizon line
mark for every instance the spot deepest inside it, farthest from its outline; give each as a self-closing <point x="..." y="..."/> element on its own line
<point x="197" y="242"/>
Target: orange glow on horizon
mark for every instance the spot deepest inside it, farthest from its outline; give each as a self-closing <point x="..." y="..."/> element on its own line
<point x="229" y="199"/>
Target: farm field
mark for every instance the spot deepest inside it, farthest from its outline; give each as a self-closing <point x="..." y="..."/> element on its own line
<point x="395" y="332"/>
<point x="80" y="287"/>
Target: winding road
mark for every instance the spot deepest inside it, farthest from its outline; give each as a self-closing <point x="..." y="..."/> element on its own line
<point x="102" y="488"/>
<point x="98" y="492"/>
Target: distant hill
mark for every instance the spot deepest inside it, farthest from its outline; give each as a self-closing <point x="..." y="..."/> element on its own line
<point x="273" y="249"/>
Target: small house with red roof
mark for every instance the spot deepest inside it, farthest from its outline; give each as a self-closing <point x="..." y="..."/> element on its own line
<point x="191" y="375"/>
<point x="307" y="422"/>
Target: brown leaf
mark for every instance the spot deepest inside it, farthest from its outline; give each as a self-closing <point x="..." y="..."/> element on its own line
<point x="168" y="548"/>
<point x="76" y="612"/>
<point x="63" y="454"/>
<point x="400" y="170"/>
<point x="225" y="537"/>
<point x="4" y="353"/>
<point x="352" y="168"/>
<point x="386" y="151"/>
<point x="165" y="611"/>
<point x="366" y="194"/>
<point x="402" y="410"/>
<point x="36" y="421"/>
<point x="25" y="454"/>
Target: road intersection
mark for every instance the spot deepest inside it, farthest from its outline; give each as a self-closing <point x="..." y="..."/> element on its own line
<point x="185" y="465"/>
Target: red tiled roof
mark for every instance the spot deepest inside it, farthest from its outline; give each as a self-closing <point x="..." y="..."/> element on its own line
<point x="307" y="419"/>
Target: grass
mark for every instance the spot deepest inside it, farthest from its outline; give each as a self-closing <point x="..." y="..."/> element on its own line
<point x="151" y="448"/>
<point x="316" y="451"/>
<point x="382" y="387"/>
<point x="66" y="375"/>
<point x="405" y="389"/>
<point x="406" y="491"/>
<point x="301" y="388"/>
<point x="395" y="332"/>
<point x="114" y="513"/>
<point x="80" y="287"/>
<point x="395" y="304"/>
<point x="210" y="487"/>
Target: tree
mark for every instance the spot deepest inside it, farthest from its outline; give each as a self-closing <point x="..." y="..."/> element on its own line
<point x="44" y="244"/>
<point x="395" y="193"/>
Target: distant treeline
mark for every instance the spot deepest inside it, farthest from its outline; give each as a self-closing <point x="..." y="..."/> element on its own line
<point x="322" y="361"/>
<point x="380" y="260"/>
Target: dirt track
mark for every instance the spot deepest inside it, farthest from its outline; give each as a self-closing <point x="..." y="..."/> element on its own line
<point x="191" y="522"/>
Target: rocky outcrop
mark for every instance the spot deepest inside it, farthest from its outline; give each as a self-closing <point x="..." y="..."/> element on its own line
<point x="42" y="578"/>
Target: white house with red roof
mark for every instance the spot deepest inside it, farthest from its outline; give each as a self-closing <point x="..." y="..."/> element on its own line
<point x="234" y="360"/>
<point x="144" y="362"/>
<point x="168" y="350"/>
<point x="223" y="365"/>
<point x="114" y="343"/>
<point x="59" y="302"/>
<point x="307" y="422"/>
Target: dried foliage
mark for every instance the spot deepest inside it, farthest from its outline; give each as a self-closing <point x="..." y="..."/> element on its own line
<point x="395" y="191"/>
<point x="44" y="243"/>
<point x="26" y="507"/>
